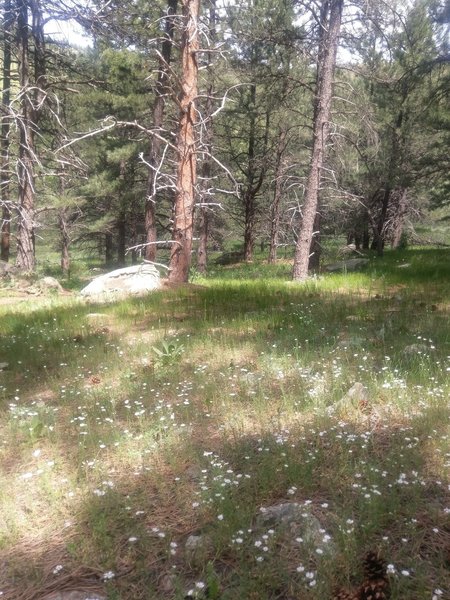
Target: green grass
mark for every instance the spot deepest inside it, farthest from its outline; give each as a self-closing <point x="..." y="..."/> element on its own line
<point x="127" y="427"/>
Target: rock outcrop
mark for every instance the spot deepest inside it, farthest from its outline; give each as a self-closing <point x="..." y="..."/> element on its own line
<point x="130" y="281"/>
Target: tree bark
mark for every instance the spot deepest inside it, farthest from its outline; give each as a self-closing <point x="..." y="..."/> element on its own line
<point x="109" y="249"/>
<point x="32" y="100"/>
<point x="401" y="210"/>
<point x="316" y="248"/>
<point x="180" y="256"/>
<point x="331" y="24"/>
<point x="8" y="20"/>
<point x="121" y="238"/>
<point x="276" y="202"/>
<point x="206" y="172"/>
<point x="65" y="241"/>
<point x="26" y="177"/>
<point x="162" y="90"/>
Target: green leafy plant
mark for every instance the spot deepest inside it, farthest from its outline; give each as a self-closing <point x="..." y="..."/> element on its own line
<point x="168" y="353"/>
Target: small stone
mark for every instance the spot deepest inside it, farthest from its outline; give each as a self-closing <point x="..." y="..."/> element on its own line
<point x="167" y="583"/>
<point x="416" y="349"/>
<point x="198" y="549"/>
<point x="3" y="365"/>
<point x="357" y="392"/>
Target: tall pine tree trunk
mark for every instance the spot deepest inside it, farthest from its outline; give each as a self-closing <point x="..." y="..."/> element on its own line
<point x="206" y="171"/>
<point x="8" y="20"/>
<point x="26" y="178"/>
<point x="331" y="24"/>
<point x="180" y="256"/>
<point x="161" y="92"/>
<point x="32" y="94"/>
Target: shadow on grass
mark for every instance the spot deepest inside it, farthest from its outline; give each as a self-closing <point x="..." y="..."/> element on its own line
<point x="156" y="475"/>
<point x="377" y="489"/>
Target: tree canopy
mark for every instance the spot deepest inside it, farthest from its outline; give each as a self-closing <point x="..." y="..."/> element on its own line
<point x="183" y="124"/>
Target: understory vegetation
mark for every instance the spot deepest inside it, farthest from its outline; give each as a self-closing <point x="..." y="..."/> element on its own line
<point x="127" y="428"/>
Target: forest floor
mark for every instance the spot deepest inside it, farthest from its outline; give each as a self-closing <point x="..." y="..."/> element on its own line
<point x="149" y="448"/>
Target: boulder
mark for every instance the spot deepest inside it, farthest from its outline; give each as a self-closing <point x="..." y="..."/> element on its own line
<point x="354" y="264"/>
<point x="50" y="284"/>
<point x="130" y="281"/>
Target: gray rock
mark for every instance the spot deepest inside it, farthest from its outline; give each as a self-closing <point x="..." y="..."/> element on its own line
<point x="50" y="284"/>
<point x="416" y="350"/>
<point x="358" y="393"/>
<point x="348" y="265"/>
<point x="73" y="595"/>
<point x="293" y="521"/>
<point x="198" y="549"/>
<point x="129" y="281"/>
<point x="3" y="365"/>
<point x="280" y="514"/>
<point x="168" y="583"/>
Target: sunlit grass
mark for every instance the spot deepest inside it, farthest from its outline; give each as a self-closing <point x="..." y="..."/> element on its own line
<point x="127" y="427"/>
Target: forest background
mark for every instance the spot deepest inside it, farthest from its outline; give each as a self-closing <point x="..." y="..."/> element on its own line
<point x="182" y="130"/>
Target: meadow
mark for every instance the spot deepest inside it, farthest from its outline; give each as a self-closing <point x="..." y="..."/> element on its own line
<point x="142" y="440"/>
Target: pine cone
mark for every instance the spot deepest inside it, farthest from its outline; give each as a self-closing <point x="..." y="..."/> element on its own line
<point x="376" y="586"/>
<point x="374" y="567"/>
<point x="374" y="590"/>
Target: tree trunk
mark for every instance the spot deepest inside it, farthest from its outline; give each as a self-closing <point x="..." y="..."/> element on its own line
<point x="401" y="210"/>
<point x="26" y="177"/>
<point x="8" y="20"/>
<point x="379" y="234"/>
<point x="109" y="249"/>
<point x="180" y="256"/>
<point x="121" y="239"/>
<point x="276" y="202"/>
<point x="316" y="248"/>
<point x="202" y="252"/>
<point x="133" y="225"/>
<point x="366" y="236"/>
<point x="331" y="24"/>
<point x="32" y="101"/>
<point x="161" y="92"/>
<point x="65" y="242"/>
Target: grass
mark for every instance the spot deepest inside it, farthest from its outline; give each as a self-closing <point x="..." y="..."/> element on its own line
<point x="126" y="428"/>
